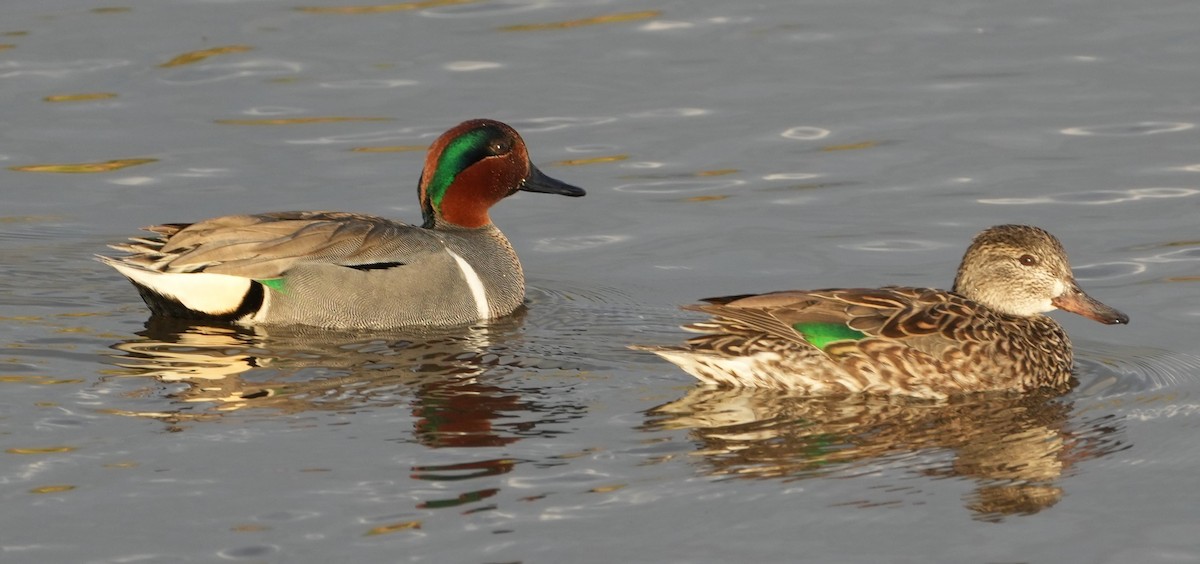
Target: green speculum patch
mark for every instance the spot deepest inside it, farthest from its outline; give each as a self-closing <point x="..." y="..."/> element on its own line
<point x="821" y="334"/>
<point x="273" y="283"/>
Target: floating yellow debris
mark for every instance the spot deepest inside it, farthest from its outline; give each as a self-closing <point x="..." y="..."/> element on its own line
<point x="197" y="56"/>
<point x="39" y="380"/>
<point x="125" y="464"/>
<point x="15" y="33"/>
<point x="83" y="168"/>
<point x="385" y="529"/>
<point x="294" y="121"/>
<point x="606" y="489"/>
<point x="73" y="330"/>
<point x="851" y="146"/>
<point x="713" y="198"/>
<point x="79" y="97"/>
<point x="592" y="160"/>
<point x="249" y="528"/>
<point x="52" y="489"/>
<point x="718" y="172"/>
<point x="40" y="450"/>
<point x="391" y="149"/>
<point x="6" y="46"/>
<point x="29" y="219"/>
<point x="598" y="20"/>
<point x="401" y="7"/>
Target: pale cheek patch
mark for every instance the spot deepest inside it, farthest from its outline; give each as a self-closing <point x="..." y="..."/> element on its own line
<point x="1059" y="288"/>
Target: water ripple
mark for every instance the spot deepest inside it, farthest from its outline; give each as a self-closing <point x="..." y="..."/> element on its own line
<point x="404" y="133"/>
<point x="805" y="133"/>
<point x="489" y="9"/>
<point x="1116" y="369"/>
<point x="677" y="186"/>
<point x="1098" y="197"/>
<point x="1108" y="270"/>
<point x="216" y="72"/>
<point x="671" y="112"/>
<point x="791" y="176"/>
<point x="1129" y="129"/>
<point x="273" y="111"/>
<point x="551" y="123"/>
<point x="468" y="66"/>
<point x="55" y="69"/>
<point x="896" y="245"/>
<point x="368" y="83"/>
<point x="577" y="243"/>
<point x="1182" y="255"/>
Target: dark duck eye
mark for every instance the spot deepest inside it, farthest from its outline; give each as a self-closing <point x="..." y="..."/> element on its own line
<point x="1029" y="260"/>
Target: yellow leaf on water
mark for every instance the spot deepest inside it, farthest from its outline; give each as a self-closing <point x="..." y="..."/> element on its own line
<point x="606" y="489"/>
<point x="52" y="489"/>
<point x="41" y="450"/>
<point x="385" y="529"/>
<point x="391" y="149"/>
<point x="294" y="121"/>
<point x="718" y="172"/>
<point x="712" y="198"/>
<point x="6" y="46"/>
<point x="197" y="56"/>
<point x="79" y="97"/>
<point x="850" y="147"/>
<point x="379" y="9"/>
<point x="571" y="455"/>
<point x="15" y="33"/>
<point x="597" y="20"/>
<point x="37" y="380"/>
<point x="30" y="219"/>
<point x="83" y="168"/>
<point x="592" y="160"/>
<point x="73" y="330"/>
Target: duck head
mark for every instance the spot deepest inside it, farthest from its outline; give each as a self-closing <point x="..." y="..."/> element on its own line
<point x="474" y="165"/>
<point x="1023" y="270"/>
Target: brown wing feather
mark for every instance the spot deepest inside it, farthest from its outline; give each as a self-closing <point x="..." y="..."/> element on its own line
<point x="928" y="320"/>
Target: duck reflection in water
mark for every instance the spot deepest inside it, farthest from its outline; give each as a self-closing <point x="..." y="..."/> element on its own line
<point x="1016" y="447"/>
<point x="446" y="376"/>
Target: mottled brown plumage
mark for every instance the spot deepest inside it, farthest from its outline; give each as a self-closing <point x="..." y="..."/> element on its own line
<point x="988" y="333"/>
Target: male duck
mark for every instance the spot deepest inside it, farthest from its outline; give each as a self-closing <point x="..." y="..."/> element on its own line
<point x="988" y="333"/>
<point x="347" y="270"/>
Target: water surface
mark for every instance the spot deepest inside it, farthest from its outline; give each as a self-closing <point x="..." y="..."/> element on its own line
<point x="726" y="148"/>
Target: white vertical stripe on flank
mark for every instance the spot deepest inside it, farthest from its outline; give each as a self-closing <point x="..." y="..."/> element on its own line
<point x="476" y="285"/>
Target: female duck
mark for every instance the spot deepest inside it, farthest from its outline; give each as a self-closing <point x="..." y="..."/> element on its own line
<point x="348" y="270"/>
<point x="988" y="333"/>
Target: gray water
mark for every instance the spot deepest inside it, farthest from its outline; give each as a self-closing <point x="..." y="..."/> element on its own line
<point x="728" y="147"/>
